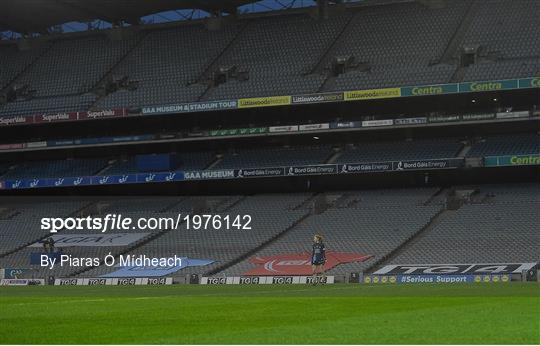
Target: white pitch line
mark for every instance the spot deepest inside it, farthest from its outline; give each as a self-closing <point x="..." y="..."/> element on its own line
<point x="251" y="294"/>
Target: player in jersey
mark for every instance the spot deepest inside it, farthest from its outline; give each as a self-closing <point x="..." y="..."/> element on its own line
<point x="318" y="257"/>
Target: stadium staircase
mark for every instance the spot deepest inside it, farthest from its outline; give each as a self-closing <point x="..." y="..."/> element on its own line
<point x="347" y="200"/>
<point x="214" y="64"/>
<point x="464" y="150"/>
<point x="171" y="206"/>
<point x="311" y="203"/>
<point x="334" y="156"/>
<point x="319" y="67"/>
<point x="412" y="240"/>
<point x="214" y="163"/>
<point x="433" y="197"/>
<point x="26" y="68"/>
<point x="449" y="55"/>
<point x="307" y="203"/>
<point x="253" y="251"/>
<point x="147" y="239"/>
<point x="106" y="167"/>
<point x="435" y="220"/>
<point x="230" y="206"/>
<point x="8" y="213"/>
<point x="111" y="71"/>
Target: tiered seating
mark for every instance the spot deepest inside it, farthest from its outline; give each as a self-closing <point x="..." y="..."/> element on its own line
<point x="275" y="157"/>
<point x="526" y="194"/>
<point x="57" y="104"/>
<point x="421" y="149"/>
<point x="391" y="197"/>
<point x="270" y="215"/>
<point x="15" y="61"/>
<point x="57" y="168"/>
<point x="131" y="204"/>
<point x="190" y="161"/>
<point x="508" y="32"/>
<point x="391" y="76"/>
<point x="23" y="225"/>
<point x="480" y="233"/>
<point x="399" y="44"/>
<point x="169" y="204"/>
<point x="370" y="230"/>
<point x="195" y="204"/>
<point x="165" y="62"/>
<point x="265" y="86"/>
<point x="506" y="145"/>
<point x="404" y="150"/>
<point x="387" y="38"/>
<point x="66" y="72"/>
<point x="508" y="28"/>
<point x="501" y="229"/>
<point x="29" y="218"/>
<point x="492" y="70"/>
<point x="277" y="52"/>
<point x="74" y="66"/>
<point x="4" y="167"/>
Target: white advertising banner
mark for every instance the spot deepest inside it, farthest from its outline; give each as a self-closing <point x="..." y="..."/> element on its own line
<point x="373" y="123"/>
<point x="113" y="282"/>
<point x="265" y="280"/>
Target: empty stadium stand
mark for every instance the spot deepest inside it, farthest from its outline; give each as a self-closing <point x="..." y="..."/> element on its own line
<point x="19" y="223"/>
<point x="384" y="41"/>
<point x="275" y="157"/>
<point x="277" y="55"/>
<point x="494" y="28"/>
<point x="56" y="168"/>
<point x="405" y="226"/>
<point x="187" y="161"/>
<point x="422" y="212"/>
<point x="503" y="229"/>
<point x="271" y="215"/>
<point x="166" y="63"/>
<point x="526" y="143"/>
<point x="15" y="61"/>
<point x="402" y="150"/>
<point x="376" y="226"/>
<point x="238" y="158"/>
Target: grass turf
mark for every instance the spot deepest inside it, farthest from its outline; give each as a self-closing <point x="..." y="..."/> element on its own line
<point x="333" y="314"/>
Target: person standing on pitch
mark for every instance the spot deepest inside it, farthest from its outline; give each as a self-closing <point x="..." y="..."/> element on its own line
<point x="318" y="258"/>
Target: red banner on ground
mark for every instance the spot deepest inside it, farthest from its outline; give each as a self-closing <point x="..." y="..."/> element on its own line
<point x="300" y="263"/>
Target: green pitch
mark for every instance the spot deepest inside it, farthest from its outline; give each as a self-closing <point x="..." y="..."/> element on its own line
<point x="333" y="314"/>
